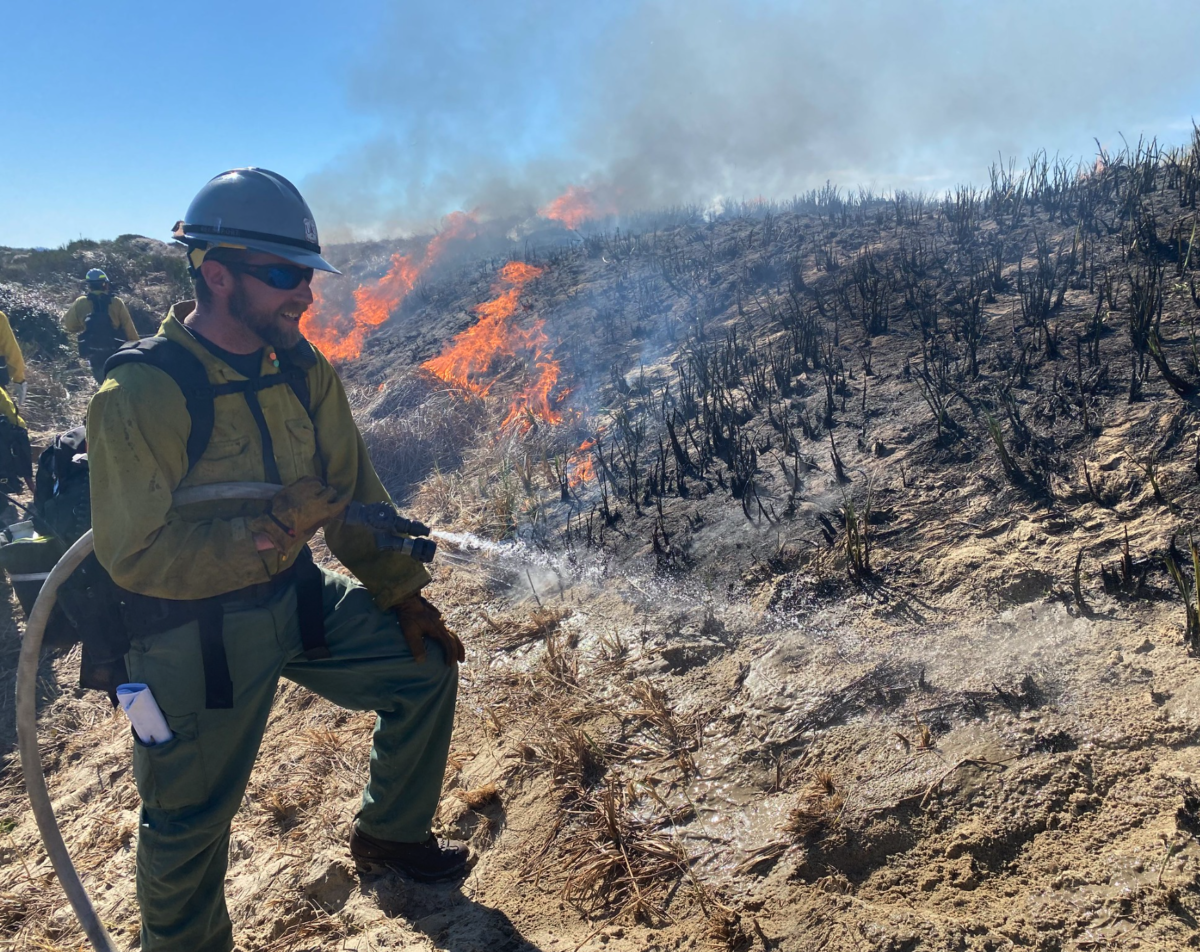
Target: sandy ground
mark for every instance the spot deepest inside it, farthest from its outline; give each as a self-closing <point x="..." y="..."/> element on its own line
<point x="823" y="780"/>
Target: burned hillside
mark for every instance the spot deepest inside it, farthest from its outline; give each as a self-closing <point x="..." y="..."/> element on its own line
<point x="836" y="379"/>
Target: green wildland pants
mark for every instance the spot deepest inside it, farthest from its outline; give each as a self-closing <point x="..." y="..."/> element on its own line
<point x="192" y="785"/>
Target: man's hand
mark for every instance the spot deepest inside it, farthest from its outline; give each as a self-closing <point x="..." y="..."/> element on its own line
<point x="420" y="620"/>
<point x="296" y="512"/>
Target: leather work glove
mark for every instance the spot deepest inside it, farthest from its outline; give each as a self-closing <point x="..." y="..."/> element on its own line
<point x="420" y="620"/>
<point x="296" y="512"/>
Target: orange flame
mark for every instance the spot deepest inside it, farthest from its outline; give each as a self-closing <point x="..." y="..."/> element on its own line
<point x="577" y="205"/>
<point x="341" y="336"/>
<point x="582" y="467"/>
<point x="470" y="360"/>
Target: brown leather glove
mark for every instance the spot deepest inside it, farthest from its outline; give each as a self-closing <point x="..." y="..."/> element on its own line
<point x="296" y="512"/>
<point x="420" y="620"/>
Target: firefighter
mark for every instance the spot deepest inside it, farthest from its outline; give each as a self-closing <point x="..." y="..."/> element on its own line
<point x="16" y="455"/>
<point x="100" y="320"/>
<point x="223" y="599"/>
<point x="12" y="363"/>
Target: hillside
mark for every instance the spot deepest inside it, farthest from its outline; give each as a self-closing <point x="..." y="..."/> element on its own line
<point x="822" y="568"/>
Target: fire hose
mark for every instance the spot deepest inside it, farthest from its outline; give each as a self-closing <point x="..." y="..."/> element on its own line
<point x="379" y="517"/>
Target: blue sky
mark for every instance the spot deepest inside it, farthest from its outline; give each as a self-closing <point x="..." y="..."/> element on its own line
<point x="114" y="114"/>
<point x="390" y="114"/>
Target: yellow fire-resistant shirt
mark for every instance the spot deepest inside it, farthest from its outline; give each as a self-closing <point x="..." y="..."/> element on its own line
<point x="10" y="350"/>
<point x="118" y="313"/>
<point x="8" y="409"/>
<point x="137" y="431"/>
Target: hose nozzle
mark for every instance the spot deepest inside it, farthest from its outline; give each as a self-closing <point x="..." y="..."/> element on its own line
<point x="392" y="530"/>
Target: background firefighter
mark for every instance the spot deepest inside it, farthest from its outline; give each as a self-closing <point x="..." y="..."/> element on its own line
<point x="12" y="363"/>
<point x="100" y="321"/>
<point x="16" y="455"/>
<point x="225" y="596"/>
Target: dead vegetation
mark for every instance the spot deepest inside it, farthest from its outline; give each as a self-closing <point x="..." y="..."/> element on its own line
<point x="819" y="807"/>
<point x="769" y="360"/>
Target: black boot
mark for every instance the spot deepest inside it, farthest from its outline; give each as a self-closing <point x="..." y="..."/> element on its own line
<point x="429" y="862"/>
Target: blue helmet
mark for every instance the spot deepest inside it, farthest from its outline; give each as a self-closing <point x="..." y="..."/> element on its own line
<point x="254" y="209"/>
<point x="97" y="277"/>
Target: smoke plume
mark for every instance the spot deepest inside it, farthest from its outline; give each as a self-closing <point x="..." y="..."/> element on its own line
<point x="650" y="103"/>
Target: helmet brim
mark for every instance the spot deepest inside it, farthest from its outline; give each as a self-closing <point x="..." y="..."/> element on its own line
<point x="300" y="256"/>
<point x="306" y="259"/>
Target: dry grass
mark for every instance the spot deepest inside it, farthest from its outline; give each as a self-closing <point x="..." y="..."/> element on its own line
<point x="412" y="430"/>
<point x="620" y="856"/>
<point x="575" y="760"/>
<point x="480" y="797"/>
<point x="818" y="809"/>
<point x="726" y="925"/>
<point x="516" y="630"/>
<point x="560" y="661"/>
<point x="653" y="708"/>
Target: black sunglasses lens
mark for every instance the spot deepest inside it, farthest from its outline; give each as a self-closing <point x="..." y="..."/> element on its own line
<point x="286" y="277"/>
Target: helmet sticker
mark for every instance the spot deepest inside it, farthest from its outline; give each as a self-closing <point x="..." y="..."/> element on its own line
<point x="310" y="230"/>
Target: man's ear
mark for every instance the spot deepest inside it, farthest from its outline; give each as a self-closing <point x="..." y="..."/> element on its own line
<point x="218" y="278"/>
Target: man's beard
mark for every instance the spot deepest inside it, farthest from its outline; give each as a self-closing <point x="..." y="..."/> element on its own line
<point x="271" y="326"/>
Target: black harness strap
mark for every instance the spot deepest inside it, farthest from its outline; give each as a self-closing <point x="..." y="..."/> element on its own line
<point x="309" y="608"/>
<point x="189" y="375"/>
<point x="218" y="685"/>
<point x="292" y="376"/>
<point x="100" y="308"/>
<point x="270" y="464"/>
<point x="200" y="395"/>
<point x="182" y="366"/>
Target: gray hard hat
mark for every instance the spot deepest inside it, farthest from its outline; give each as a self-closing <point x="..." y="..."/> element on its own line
<point x="256" y="209"/>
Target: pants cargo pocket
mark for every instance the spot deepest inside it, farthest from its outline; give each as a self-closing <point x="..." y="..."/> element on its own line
<point x="172" y="776"/>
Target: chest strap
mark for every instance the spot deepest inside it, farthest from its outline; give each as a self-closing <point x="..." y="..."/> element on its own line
<point x="152" y="615"/>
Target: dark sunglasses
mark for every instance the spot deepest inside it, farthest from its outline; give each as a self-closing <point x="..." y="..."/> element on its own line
<point x="282" y="277"/>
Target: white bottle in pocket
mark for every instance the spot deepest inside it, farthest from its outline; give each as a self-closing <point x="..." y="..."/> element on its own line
<point x="138" y="703"/>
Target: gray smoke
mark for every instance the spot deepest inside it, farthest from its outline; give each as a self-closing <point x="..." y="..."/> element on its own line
<point x="661" y="102"/>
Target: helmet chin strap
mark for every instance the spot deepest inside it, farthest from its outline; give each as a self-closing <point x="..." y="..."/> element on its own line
<point x="195" y="257"/>
<point x="197" y="252"/>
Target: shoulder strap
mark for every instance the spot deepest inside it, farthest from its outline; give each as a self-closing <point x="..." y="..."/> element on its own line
<point x="295" y="363"/>
<point x="177" y="362"/>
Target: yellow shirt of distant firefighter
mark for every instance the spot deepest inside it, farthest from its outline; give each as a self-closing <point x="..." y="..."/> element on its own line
<point x="118" y="313"/>
<point x="10" y="350"/>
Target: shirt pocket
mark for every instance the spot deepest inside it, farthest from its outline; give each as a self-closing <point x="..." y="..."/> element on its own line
<point x="302" y="441"/>
<point x="226" y="461"/>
